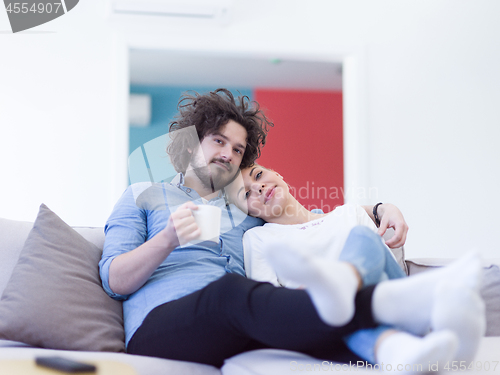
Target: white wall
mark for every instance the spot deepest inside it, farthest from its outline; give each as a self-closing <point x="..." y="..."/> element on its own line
<point x="428" y="105"/>
<point x="58" y="117"/>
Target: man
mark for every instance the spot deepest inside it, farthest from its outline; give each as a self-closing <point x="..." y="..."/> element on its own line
<point x="190" y="301"/>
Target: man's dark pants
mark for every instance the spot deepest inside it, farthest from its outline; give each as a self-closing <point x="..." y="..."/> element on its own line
<point x="235" y="314"/>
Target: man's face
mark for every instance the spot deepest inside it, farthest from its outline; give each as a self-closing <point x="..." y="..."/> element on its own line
<point x="219" y="156"/>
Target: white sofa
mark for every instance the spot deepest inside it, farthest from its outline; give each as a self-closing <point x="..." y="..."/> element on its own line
<point x="13" y="236"/>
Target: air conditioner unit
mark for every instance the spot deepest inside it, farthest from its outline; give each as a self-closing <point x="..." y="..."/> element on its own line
<point x="202" y="9"/>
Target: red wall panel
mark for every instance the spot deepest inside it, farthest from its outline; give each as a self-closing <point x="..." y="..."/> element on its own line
<point x="305" y="146"/>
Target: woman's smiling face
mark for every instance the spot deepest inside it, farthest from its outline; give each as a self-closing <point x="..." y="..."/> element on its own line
<point x="263" y="193"/>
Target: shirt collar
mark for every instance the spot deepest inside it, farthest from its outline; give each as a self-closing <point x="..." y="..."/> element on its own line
<point x="178" y="181"/>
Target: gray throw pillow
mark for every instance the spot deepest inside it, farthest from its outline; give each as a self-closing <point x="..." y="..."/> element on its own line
<point x="54" y="298"/>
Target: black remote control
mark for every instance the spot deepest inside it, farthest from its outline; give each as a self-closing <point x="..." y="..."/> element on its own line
<point x="64" y="364"/>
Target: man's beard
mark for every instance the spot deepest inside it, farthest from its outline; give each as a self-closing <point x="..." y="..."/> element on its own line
<point x="213" y="177"/>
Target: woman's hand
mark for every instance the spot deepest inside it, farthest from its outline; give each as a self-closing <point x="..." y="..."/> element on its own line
<point x="391" y="217"/>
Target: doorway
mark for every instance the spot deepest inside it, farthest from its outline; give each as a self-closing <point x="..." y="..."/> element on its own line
<point x="303" y="97"/>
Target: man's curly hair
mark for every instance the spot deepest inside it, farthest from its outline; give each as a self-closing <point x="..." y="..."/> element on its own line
<point x="208" y="113"/>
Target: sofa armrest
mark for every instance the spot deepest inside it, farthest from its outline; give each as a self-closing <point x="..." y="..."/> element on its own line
<point x="418" y="265"/>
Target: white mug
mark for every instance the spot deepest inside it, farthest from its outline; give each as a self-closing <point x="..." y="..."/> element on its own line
<point x="208" y="219"/>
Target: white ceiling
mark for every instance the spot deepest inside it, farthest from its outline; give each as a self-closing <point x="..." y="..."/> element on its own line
<point x="172" y="68"/>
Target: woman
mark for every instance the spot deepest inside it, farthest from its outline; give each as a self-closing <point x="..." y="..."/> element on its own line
<point x="299" y="248"/>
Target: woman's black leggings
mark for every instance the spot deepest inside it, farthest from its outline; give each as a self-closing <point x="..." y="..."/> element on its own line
<point x="235" y="314"/>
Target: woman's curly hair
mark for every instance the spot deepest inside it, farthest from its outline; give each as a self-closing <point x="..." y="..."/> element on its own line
<point x="208" y="113"/>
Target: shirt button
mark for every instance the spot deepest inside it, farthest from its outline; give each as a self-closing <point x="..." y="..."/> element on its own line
<point x="188" y="190"/>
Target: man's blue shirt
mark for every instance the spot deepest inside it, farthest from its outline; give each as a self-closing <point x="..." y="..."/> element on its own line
<point x="140" y="214"/>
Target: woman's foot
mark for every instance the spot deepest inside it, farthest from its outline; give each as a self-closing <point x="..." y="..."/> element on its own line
<point x="332" y="286"/>
<point x="408" y="303"/>
<point x="462" y="310"/>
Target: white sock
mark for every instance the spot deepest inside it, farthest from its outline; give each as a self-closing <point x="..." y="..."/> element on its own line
<point x="408" y="303"/>
<point x="461" y="310"/>
<point x="332" y="286"/>
<point x="411" y="354"/>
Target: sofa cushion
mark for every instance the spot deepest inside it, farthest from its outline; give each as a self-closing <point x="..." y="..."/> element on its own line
<point x="54" y="298"/>
<point x="13" y="234"/>
<point x="490" y="291"/>
<point x="282" y="362"/>
<point x="94" y="235"/>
